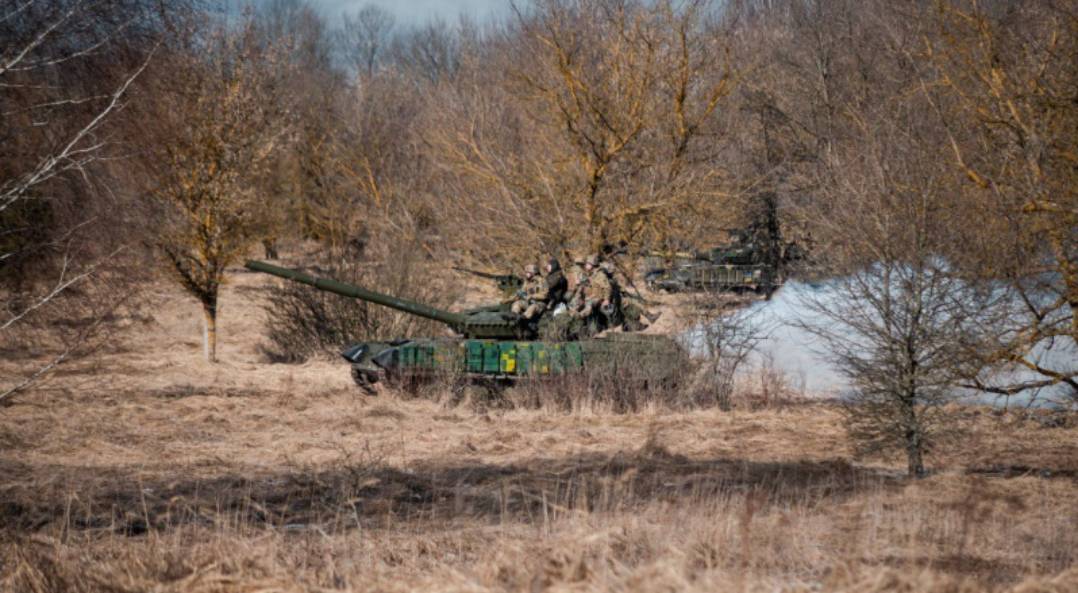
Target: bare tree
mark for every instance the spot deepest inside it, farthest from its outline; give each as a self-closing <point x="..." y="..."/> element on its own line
<point x="304" y="179"/>
<point x="598" y="126"/>
<point x="898" y="329"/>
<point x="896" y="320"/>
<point x="227" y="121"/>
<point x="1012" y="126"/>
<point x="428" y="54"/>
<point x="363" y="39"/>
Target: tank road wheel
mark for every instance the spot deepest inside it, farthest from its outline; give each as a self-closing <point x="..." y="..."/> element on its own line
<point x="365" y="379"/>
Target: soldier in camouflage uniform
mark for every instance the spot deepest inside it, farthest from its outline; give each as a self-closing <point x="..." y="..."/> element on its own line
<point x="574" y="299"/>
<point x="556" y="284"/>
<point x="630" y="314"/>
<point x="594" y="293"/>
<point x="532" y="296"/>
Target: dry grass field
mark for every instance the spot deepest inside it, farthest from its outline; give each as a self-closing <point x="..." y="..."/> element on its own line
<point x="149" y="470"/>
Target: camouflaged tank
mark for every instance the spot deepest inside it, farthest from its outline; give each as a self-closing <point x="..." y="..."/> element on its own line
<point x="496" y="346"/>
<point x="739" y="266"/>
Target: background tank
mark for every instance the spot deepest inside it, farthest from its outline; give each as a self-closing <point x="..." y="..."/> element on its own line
<point x="743" y="264"/>
<point x="494" y="345"/>
<point x="691" y="275"/>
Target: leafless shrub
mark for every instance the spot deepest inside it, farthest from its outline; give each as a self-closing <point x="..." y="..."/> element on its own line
<point x="727" y="336"/>
<point x="897" y="328"/>
<point x="764" y="385"/>
<point x="305" y="321"/>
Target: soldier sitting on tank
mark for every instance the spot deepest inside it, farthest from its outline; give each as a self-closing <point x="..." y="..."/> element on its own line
<point x="614" y="307"/>
<point x="574" y="299"/>
<point x="532" y="296"/>
<point x="594" y="296"/>
<point x="556" y="284"/>
<point x="629" y="314"/>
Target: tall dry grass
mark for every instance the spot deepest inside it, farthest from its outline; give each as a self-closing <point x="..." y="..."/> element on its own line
<point x="153" y="472"/>
<point x="644" y="520"/>
<point x="143" y="484"/>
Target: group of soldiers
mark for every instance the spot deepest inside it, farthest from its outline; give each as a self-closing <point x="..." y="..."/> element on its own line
<point x="594" y="293"/>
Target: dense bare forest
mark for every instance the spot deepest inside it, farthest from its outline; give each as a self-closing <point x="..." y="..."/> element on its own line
<point x="922" y="154"/>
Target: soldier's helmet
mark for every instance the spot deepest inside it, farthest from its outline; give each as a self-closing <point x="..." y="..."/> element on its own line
<point x="531" y="269"/>
<point x="592" y="260"/>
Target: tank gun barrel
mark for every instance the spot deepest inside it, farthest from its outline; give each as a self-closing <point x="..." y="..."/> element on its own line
<point x="455" y="320"/>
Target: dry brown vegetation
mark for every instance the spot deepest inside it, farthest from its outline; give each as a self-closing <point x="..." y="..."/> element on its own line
<point x="923" y="151"/>
<point x="160" y="471"/>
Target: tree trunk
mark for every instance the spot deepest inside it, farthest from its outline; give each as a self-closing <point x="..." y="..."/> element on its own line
<point x="209" y="335"/>
<point x="915" y="466"/>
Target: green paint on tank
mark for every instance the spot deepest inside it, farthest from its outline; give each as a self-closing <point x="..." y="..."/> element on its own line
<point x="494" y="358"/>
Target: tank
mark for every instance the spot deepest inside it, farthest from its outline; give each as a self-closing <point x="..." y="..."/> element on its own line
<point x="493" y="345"/>
<point x="678" y="274"/>
<point x="741" y="265"/>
